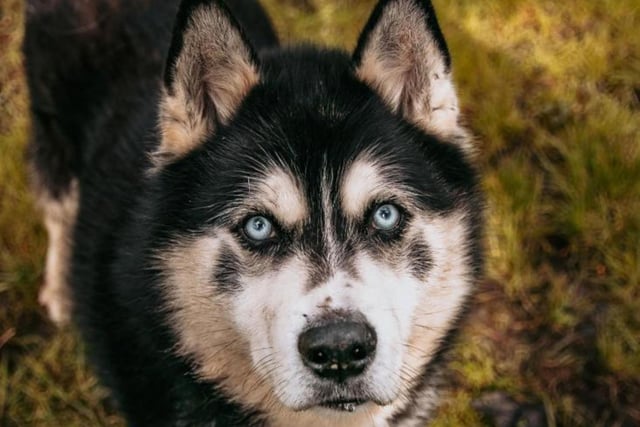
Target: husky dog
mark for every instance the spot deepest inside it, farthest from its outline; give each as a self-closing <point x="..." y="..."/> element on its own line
<point x="255" y="235"/>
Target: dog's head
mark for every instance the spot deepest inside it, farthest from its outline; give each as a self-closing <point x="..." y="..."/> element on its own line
<point x="317" y="213"/>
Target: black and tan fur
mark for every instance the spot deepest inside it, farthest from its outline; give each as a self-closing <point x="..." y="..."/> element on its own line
<point x="152" y="165"/>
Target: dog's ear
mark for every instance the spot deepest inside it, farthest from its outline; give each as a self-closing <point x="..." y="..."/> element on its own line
<point x="210" y="69"/>
<point x="402" y="55"/>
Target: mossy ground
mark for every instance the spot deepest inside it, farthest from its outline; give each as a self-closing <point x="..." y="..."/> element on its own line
<point x="552" y="91"/>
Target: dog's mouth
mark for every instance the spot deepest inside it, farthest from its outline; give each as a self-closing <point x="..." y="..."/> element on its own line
<point x="343" y="405"/>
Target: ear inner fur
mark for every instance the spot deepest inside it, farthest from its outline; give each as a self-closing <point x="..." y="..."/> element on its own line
<point x="210" y="69"/>
<point x="402" y="55"/>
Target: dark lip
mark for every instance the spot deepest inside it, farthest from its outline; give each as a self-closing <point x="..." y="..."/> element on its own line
<point x="343" y="405"/>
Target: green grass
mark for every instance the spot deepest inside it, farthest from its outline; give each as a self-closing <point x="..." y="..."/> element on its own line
<point x="552" y="91"/>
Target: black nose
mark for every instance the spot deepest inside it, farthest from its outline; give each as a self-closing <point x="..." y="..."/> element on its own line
<point x="338" y="350"/>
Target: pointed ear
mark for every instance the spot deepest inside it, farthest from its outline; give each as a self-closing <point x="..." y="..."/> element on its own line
<point x="402" y="55"/>
<point x="210" y="69"/>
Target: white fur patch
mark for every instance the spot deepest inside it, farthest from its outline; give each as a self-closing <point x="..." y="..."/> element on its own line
<point x="272" y="312"/>
<point x="59" y="220"/>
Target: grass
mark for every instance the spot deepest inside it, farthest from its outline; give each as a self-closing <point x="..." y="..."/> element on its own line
<point x="552" y="90"/>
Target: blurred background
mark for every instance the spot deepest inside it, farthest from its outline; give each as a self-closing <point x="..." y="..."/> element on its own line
<point x="552" y="92"/>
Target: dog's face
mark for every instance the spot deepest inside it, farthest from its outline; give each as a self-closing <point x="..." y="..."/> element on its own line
<point x="318" y="242"/>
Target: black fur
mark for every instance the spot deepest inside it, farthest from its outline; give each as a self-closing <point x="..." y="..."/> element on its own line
<point x="89" y="65"/>
<point x="227" y="271"/>
<point x="94" y="102"/>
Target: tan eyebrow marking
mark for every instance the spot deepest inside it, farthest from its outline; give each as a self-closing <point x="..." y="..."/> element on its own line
<point x="362" y="182"/>
<point x="281" y="194"/>
<point x="367" y="181"/>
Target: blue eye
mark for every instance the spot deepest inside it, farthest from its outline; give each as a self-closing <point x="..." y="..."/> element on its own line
<point x="386" y="217"/>
<point x="258" y="228"/>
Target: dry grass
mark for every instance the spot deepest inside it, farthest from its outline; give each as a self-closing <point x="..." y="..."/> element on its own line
<point x="552" y="90"/>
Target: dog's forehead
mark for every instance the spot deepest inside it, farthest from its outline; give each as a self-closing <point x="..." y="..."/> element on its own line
<point x="302" y="133"/>
<point x="295" y="192"/>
